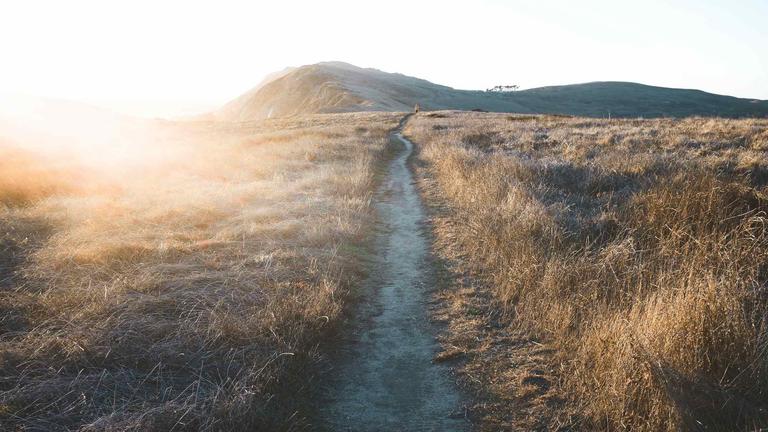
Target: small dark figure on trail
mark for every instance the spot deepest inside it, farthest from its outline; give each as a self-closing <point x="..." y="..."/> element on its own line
<point x="416" y="108"/>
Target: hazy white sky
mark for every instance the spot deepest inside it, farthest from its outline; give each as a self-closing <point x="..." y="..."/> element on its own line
<point x="164" y="57"/>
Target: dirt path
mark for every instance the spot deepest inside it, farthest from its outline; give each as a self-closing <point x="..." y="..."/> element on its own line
<point x="384" y="378"/>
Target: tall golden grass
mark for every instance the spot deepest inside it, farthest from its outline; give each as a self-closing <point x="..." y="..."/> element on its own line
<point x="637" y="248"/>
<point x="191" y="293"/>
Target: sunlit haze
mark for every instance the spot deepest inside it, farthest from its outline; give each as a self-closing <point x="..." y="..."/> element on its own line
<point x="181" y="57"/>
<point x="393" y="215"/>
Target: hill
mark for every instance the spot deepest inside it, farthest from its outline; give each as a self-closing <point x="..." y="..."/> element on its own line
<point x="341" y="87"/>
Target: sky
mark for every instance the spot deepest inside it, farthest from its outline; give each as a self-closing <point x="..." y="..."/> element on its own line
<point x="165" y="58"/>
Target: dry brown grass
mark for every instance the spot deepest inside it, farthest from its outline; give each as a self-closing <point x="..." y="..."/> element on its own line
<point x="184" y="293"/>
<point x="636" y="249"/>
<point x="26" y="177"/>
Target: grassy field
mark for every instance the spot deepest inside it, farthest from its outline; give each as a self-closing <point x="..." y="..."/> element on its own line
<point x="606" y="274"/>
<point x="601" y="274"/>
<point x="185" y="291"/>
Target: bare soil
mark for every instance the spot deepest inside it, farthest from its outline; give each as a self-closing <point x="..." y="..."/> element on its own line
<point x="384" y="377"/>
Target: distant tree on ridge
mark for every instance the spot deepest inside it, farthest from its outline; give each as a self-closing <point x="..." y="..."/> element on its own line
<point x="503" y="88"/>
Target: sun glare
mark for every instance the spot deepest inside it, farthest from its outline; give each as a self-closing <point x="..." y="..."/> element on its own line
<point x="406" y="215"/>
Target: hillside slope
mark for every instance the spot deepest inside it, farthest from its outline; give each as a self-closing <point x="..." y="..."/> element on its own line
<point x="626" y="99"/>
<point x="340" y="87"/>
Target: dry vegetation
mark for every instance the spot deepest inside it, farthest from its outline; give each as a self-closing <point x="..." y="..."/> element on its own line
<point x="623" y="266"/>
<point x="181" y="294"/>
<point x="26" y="177"/>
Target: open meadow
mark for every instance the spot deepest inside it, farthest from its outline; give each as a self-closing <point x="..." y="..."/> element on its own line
<point x="189" y="289"/>
<point x="591" y="274"/>
<point x="603" y="274"/>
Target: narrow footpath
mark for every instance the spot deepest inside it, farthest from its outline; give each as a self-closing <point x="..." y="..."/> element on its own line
<point x="384" y="378"/>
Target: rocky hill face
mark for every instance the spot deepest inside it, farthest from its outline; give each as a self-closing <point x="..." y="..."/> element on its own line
<point x="340" y="87"/>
